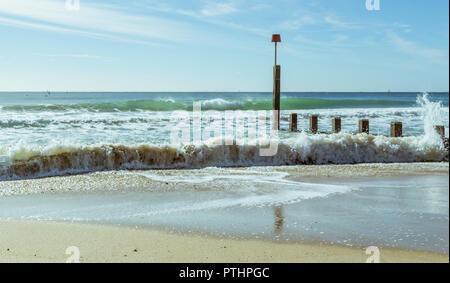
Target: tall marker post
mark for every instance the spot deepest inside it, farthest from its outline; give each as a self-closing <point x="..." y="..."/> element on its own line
<point x="276" y="87"/>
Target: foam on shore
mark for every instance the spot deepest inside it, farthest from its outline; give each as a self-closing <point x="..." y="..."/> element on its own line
<point x="214" y="178"/>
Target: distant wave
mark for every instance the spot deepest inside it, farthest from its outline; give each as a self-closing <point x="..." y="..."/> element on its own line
<point x="213" y="104"/>
<point x="98" y="120"/>
<point x="43" y="123"/>
<point x="304" y="149"/>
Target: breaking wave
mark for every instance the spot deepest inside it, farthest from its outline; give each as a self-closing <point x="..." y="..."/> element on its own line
<point x="305" y="149"/>
<point x="22" y="160"/>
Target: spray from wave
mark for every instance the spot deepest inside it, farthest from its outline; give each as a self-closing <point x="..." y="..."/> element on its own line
<point x="432" y="116"/>
<point x="306" y="149"/>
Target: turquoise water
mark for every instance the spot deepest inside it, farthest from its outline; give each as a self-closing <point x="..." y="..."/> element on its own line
<point x="61" y="132"/>
<point x="111" y="102"/>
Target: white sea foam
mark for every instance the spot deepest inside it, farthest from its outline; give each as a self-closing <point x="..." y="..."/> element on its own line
<point x="221" y="104"/>
<point x="432" y="116"/>
<point x="257" y="188"/>
<point x="304" y="148"/>
<point x="115" y="141"/>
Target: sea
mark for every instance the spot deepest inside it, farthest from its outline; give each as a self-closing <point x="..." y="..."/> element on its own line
<point x="57" y="133"/>
<point x="193" y="163"/>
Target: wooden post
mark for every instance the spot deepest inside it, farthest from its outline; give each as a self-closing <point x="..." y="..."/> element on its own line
<point x="313" y="124"/>
<point x="336" y="124"/>
<point x="396" y="129"/>
<point x="293" y="122"/>
<point x="440" y="130"/>
<point x="276" y="97"/>
<point x="364" y="126"/>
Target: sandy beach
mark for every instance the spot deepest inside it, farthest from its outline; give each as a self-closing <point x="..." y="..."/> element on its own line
<point x="224" y="131"/>
<point x="259" y="214"/>
<point x="47" y="242"/>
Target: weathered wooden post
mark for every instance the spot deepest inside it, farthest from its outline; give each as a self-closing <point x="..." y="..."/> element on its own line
<point x="440" y="130"/>
<point x="364" y="126"/>
<point x="336" y="125"/>
<point x="276" y="97"/>
<point x="396" y="129"/>
<point x="276" y="87"/>
<point x="313" y="124"/>
<point x="293" y="121"/>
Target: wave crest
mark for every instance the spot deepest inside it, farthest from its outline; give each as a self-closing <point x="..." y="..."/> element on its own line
<point x="303" y="150"/>
<point x="213" y="104"/>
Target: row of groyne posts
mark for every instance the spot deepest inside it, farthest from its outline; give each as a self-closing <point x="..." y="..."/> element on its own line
<point x="396" y="127"/>
<point x="336" y="123"/>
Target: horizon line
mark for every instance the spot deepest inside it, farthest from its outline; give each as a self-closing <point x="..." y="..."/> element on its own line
<point x="115" y="91"/>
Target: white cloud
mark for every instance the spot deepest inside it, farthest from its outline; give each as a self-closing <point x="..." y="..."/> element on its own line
<point x="211" y="12"/>
<point x="334" y="41"/>
<point x="51" y="14"/>
<point x="77" y="56"/>
<point x="218" y="9"/>
<point x="108" y="21"/>
<point x="414" y="49"/>
<point x="210" y="9"/>
<point x="297" y="23"/>
<point x="51" y="28"/>
<point x="335" y="22"/>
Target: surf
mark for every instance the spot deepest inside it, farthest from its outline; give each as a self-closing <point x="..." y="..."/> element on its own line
<point x="219" y="104"/>
<point x="304" y="149"/>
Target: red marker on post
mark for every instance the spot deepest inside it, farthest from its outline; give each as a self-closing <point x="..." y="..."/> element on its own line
<point x="276" y="38"/>
<point x="276" y="87"/>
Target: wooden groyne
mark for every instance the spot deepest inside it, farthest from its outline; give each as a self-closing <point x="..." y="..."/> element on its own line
<point x="396" y="128"/>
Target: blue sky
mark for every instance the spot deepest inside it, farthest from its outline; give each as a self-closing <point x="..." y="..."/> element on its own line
<point x="197" y="45"/>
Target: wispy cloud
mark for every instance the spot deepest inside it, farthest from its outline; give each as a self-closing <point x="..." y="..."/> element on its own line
<point x="415" y="49"/>
<point x="76" y="56"/>
<point x="212" y="11"/>
<point x="218" y="8"/>
<point x="337" y="23"/>
<point x="90" y="19"/>
<point x="58" y="29"/>
<point x="297" y="23"/>
<point x="110" y="22"/>
<point x="335" y="42"/>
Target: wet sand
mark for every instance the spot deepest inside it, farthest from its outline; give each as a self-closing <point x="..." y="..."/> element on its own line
<point x="125" y="180"/>
<point x="260" y="214"/>
<point x="47" y="242"/>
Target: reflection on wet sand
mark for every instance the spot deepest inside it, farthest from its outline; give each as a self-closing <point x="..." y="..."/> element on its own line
<point x="279" y="220"/>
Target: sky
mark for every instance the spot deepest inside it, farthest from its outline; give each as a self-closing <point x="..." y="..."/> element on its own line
<point x="212" y="45"/>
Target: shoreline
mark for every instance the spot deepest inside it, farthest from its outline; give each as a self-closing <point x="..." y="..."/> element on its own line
<point x="166" y="215"/>
<point x="136" y="180"/>
<point x="48" y="241"/>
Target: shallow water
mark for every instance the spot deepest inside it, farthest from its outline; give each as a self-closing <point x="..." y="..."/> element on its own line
<point x="402" y="212"/>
